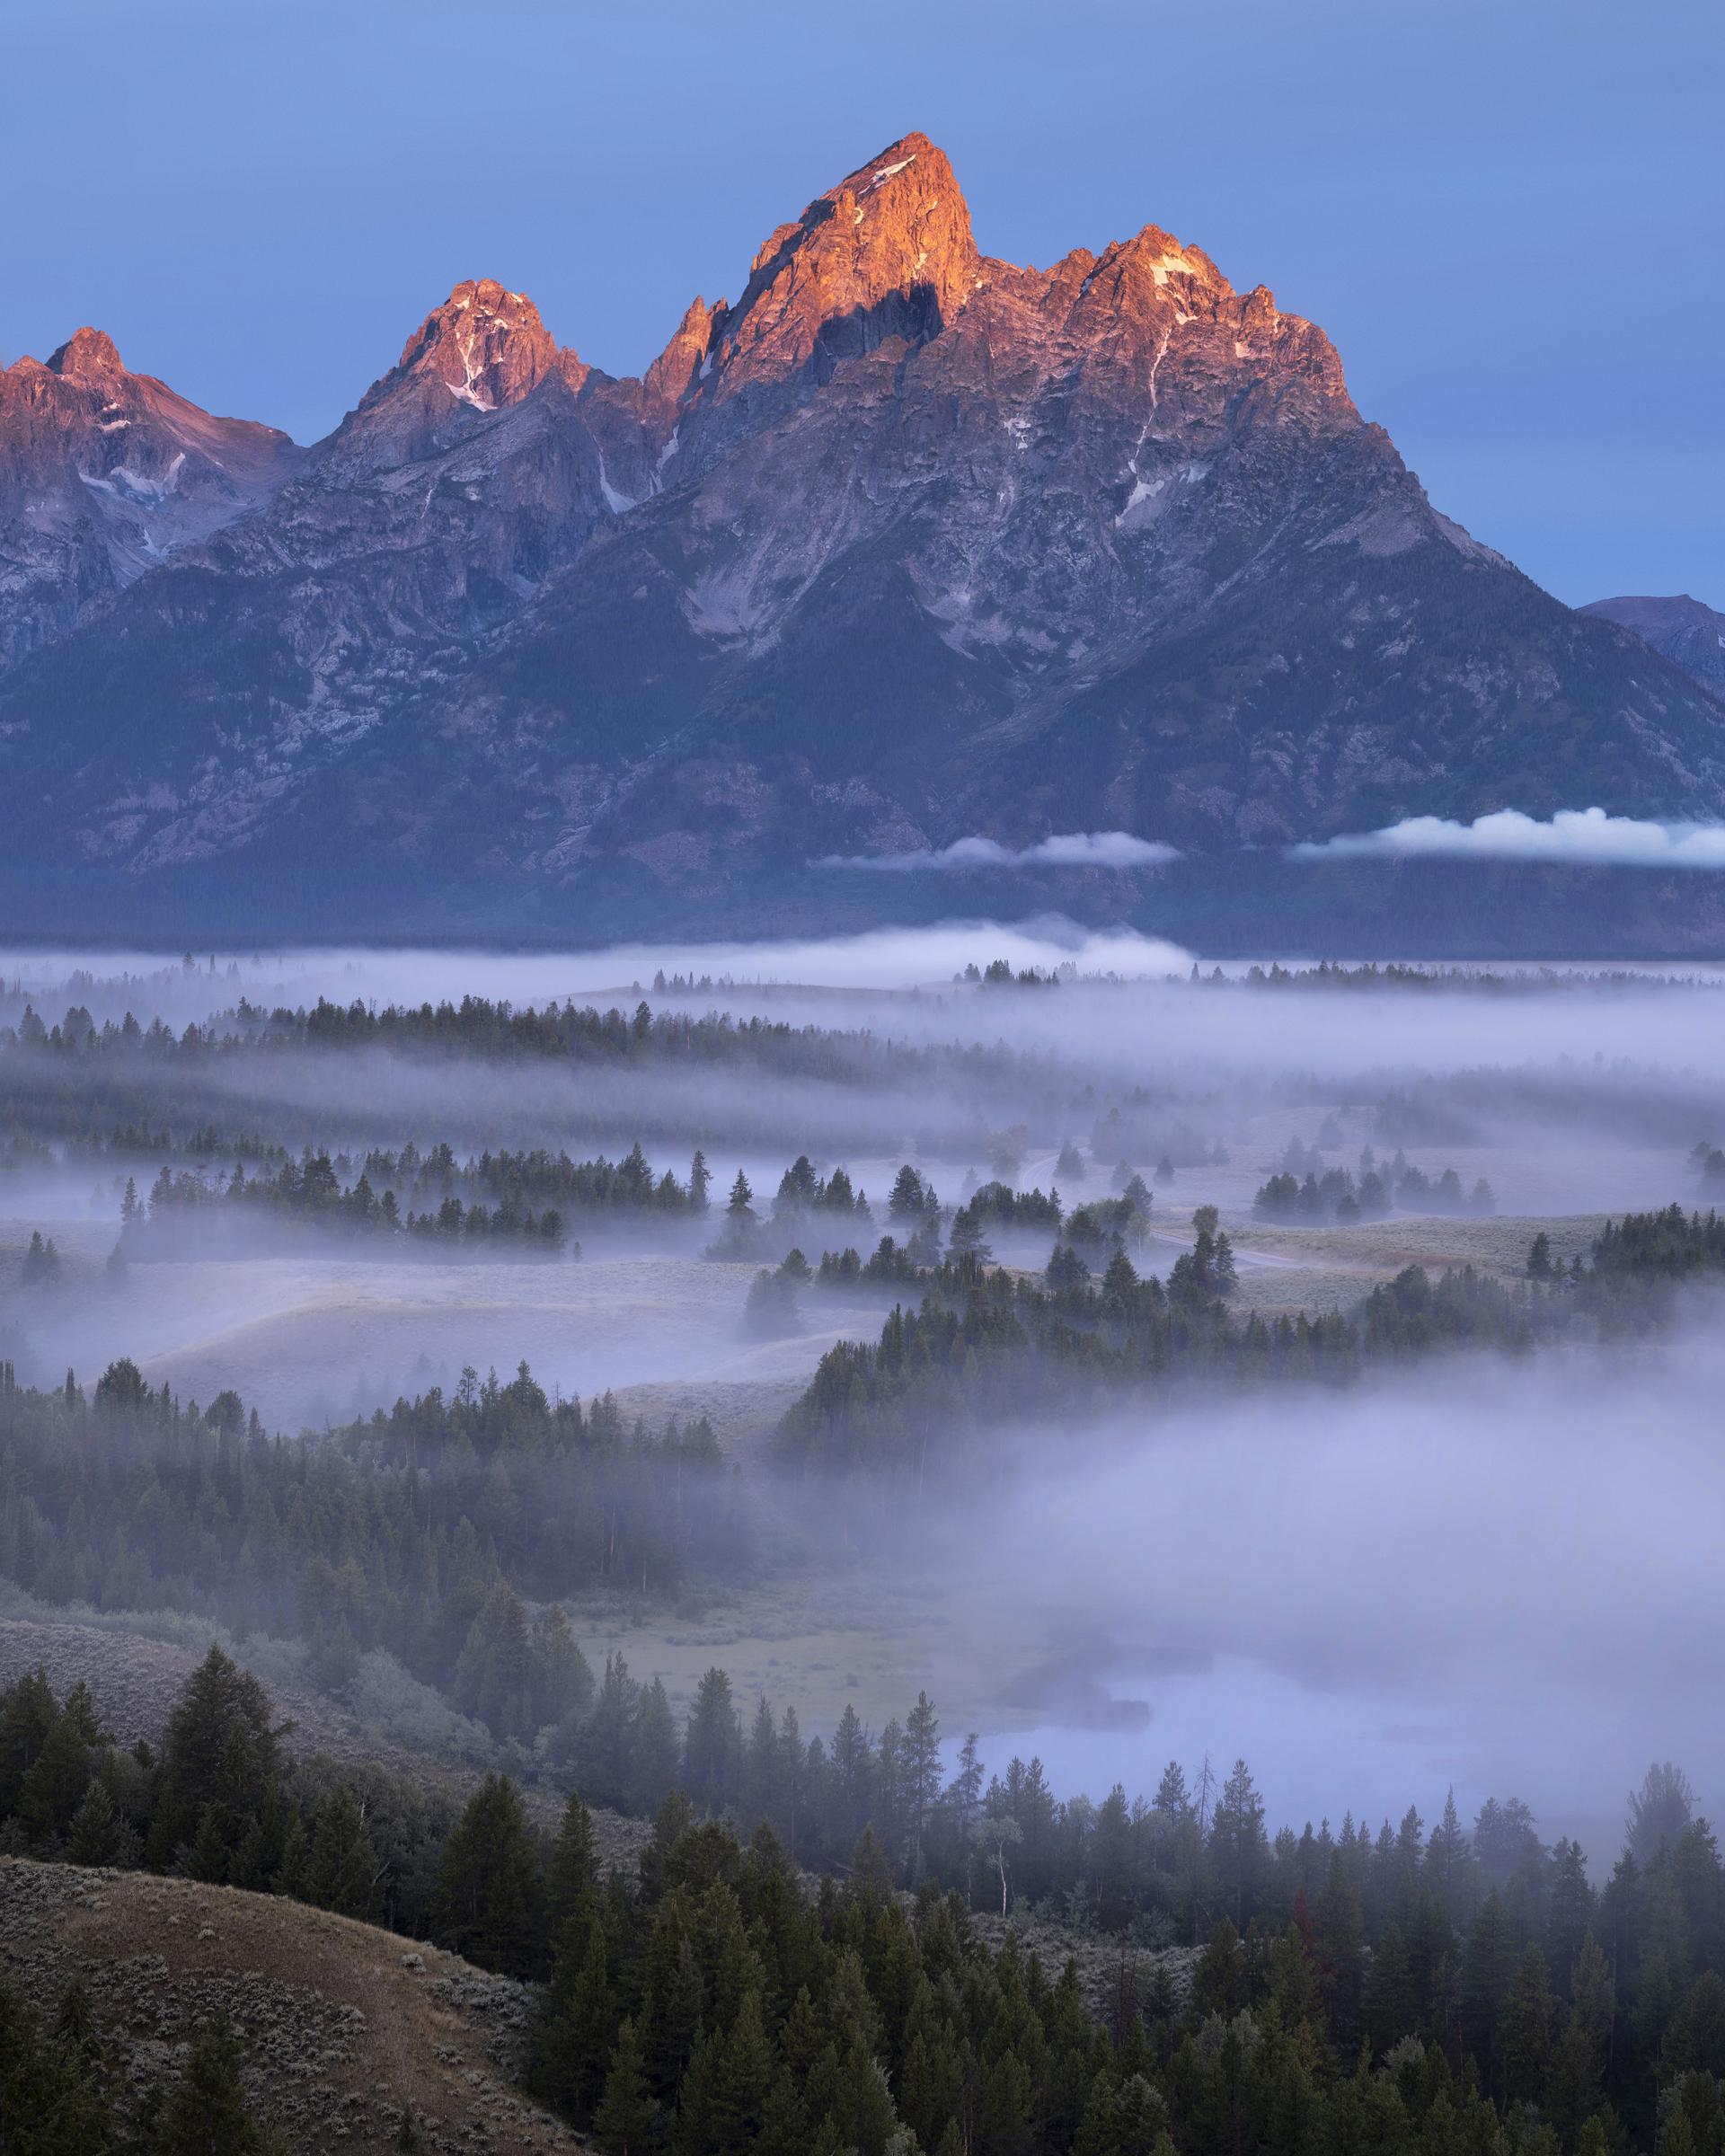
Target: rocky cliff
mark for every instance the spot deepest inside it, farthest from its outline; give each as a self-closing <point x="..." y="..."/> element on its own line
<point x="902" y="545"/>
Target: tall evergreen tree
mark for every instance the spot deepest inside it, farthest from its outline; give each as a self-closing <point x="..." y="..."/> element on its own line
<point x="622" y="2124"/>
<point x="487" y="1903"/>
<point x="341" y="1870"/>
<point x="710" y="1743"/>
<point x="572" y="1875"/>
<point x="922" y="1775"/>
<point x="220" y="1761"/>
<point x="1527" y="2032"/>
<point x="1487" y="1972"/>
<point x="206" y="2114"/>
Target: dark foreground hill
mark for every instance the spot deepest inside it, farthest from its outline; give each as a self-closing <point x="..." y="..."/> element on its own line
<point x="344" y="2026"/>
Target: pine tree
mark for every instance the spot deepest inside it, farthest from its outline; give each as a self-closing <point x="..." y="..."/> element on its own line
<point x="655" y="1752"/>
<point x="1449" y="1865"/>
<point x="577" y="2023"/>
<point x="709" y="1744"/>
<point x="785" y="2129"/>
<point x="98" y="1834"/>
<point x="219" y="1759"/>
<point x="572" y="1875"/>
<point x="1658" y="1812"/>
<point x="1570" y="1912"/>
<point x="674" y="2005"/>
<point x="1679" y="2139"/>
<point x="693" y="2133"/>
<point x="53" y="1788"/>
<point x="1485" y="1980"/>
<point x="730" y="1966"/>
<point x="341" y="1870"/>
<point x="1238" y="1848"/>
<point x="28" y="1713"/>
<point x="207" y="1856"/>
<point x="848" y="2093"/>
<point x="1219" y="1980"/>
<point x="561" y="1681"/>
<point x="205" y="2113"/>
<point x="487" y="1903"/>
<point x="742" y="2075"/>
<point x="850" y="1784"/>
<point x="1390" y="2005"/>
<point x="922" y="1775"/>
<point x="604" y="1754"/>
<point x="622" y="2124"/>
<point x="1527" y="2031"/>
<point x="1004" y="2100"/>
<point x="760" y="1768"/>
<point x="1337" y="1942"/>
<point x="1111" y="1860"/>
<point x="494" y="1680"/>
<point x="75" y="2021"/>
<point x="1579" y="2060"/>
<point x="52" y="2100"/>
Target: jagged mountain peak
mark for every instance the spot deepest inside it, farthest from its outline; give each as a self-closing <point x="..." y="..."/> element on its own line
<point x="477" y="353"/>
<point x="85" y="355"/>
<point x="898" y="225"/>
<point x="1168" y="263"/>
<point x="903" y="544"/>
<point x="486" y="345"/>
<point x="105" y="474"/>
<point x="678" y="367"/>
<point x="888" y="252"/>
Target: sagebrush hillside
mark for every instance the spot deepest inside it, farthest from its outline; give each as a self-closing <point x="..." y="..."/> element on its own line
<point x="344" y="2026"/>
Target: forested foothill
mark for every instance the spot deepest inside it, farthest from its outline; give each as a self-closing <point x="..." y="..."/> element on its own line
<point x="1425" y="1987"/>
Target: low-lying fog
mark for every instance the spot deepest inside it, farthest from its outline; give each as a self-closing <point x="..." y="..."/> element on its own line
<point x="1502" y="1578"/>
<point x="1506" y="1578"/>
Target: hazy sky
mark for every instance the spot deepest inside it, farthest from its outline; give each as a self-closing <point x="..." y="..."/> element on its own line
<point x="1508" y="216"/>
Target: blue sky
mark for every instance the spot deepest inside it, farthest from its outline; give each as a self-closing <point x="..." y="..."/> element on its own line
<point x="1508" y="216"/>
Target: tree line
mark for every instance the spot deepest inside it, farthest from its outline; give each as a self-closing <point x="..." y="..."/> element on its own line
<point x="988" y="1350"/>
<point x="1417" y="1992"/>
<point x="394" y="1532"/>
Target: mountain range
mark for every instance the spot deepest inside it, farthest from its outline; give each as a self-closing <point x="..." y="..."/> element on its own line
<point x="1691" y="635"/>
<point x="903" y="546"/>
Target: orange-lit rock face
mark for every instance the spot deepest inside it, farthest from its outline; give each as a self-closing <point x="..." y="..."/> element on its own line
<point x="482" y="351"/>
<point x="105" y="473"/>
<point x="887" y="252"/>
<point x="905" y="540"/>
<point x="485" y="347"/>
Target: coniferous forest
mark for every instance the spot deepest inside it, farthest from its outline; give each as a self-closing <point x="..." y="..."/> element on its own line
<point x="771" y="1421"/>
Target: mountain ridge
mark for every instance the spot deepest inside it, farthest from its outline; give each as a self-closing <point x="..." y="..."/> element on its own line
<point x="1682" y="628"/>
<point x="906" y="545"/>
<point x="103" y="474"/>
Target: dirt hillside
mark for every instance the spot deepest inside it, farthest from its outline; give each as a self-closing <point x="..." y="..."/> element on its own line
<point x="344" y="2026"/>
